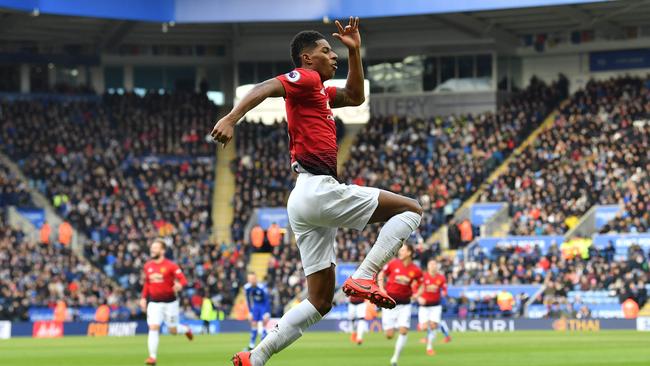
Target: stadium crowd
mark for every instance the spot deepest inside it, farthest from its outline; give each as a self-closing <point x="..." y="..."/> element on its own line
<point x="597" y="143"/>
<point x="40" y="275"/>
<point x="124" y="169"/>
<point x="441" y="161"/>
<point x="559" y="271"/>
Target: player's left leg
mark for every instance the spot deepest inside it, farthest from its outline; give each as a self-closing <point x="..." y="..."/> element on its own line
<point x="431" y="336"/>
<point x="361" y="322"/>
<point x="264" y="324"/>
<point x="445" y="331"/>
<point x="402" y="216"/>
<point x="404" y="323"/>
<point x="352" y="321"/>
<point x="290" y="327"/>
<point x="399" y="345"/>
<point x="423" y="318"/>
<point x="254" y="328"/>
<point x="171" y="316"/>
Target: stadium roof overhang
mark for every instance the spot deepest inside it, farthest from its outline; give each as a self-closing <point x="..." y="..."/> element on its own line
<point x="219" y="11"/>
<point x="433" y="30"/>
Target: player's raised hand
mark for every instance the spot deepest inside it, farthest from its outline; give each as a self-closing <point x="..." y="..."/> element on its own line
<point x="349" y="35"/>
<point x="223" y="130"/>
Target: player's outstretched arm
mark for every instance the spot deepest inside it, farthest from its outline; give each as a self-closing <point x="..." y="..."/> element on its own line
<point x="224" y="128"/>
<point x="352" y="94"/>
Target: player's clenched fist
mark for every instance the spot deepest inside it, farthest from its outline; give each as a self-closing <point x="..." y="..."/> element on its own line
<point x="223" y="130"/>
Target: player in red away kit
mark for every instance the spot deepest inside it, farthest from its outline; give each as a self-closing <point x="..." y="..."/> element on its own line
<point x="162" y="280"/>
<point x="319" y="204"/>
<point x="433" y="289"/>
<point x="402" y="275"/>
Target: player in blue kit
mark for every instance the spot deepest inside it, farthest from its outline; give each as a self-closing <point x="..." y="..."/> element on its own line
<point x="258" y="301"/>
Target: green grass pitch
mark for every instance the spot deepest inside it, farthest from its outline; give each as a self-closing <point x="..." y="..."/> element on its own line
<point x="525" y="348"/>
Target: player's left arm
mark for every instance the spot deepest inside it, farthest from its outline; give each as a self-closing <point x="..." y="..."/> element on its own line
<point x="353" y="93"/>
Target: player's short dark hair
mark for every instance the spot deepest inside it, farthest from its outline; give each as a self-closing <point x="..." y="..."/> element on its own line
<point x="301" y="41"/>
<point x="410" y="247"/>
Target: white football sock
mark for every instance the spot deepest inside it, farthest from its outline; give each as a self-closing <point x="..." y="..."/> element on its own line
<point x="360" y="328"/>
<point x="287" y="331"/>
<point x="401" y="342"/>
<point x="390" y="239"/>
<point x="152" y="341"/>
<point x="431" y="336"/>
<point x="182" y="329"/>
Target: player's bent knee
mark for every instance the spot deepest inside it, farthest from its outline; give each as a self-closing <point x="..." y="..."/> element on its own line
<point x="173" y="330"/>
<point x="415" y="206"/>
<point x="323" y="307"/>
<point x="154" y="327"/>
<point x="403" y="331"/>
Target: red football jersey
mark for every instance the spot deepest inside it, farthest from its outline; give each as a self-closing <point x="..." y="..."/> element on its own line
<point x="400" y="279"/>
<point x="312" y="130"/>
<point x="435" y="287"/>
<point x="159" y="281"/>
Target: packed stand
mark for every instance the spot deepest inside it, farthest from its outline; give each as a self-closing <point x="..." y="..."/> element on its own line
<point x="262" y="170"/>
<point x="13" y="192"/>
<point x="124" y="169"/>
<point x="40" y="275"/>
<point x="635" y="217"/>
<point x="584" y="158"/>
<point x="441" y="161"/>
<point x="561" y="272"/>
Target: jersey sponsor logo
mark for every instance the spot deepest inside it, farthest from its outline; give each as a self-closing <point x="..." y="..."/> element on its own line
<point x="293" y="76"/>
<point x="432" y="288"/>
<point x="403" y="280"/>
<point x="156" y="278"/>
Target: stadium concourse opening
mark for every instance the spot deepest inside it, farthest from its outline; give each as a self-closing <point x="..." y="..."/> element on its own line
<point x="500" y="153"/>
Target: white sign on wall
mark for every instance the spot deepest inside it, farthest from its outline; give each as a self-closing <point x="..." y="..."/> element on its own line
<point x="5" y="329"/>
